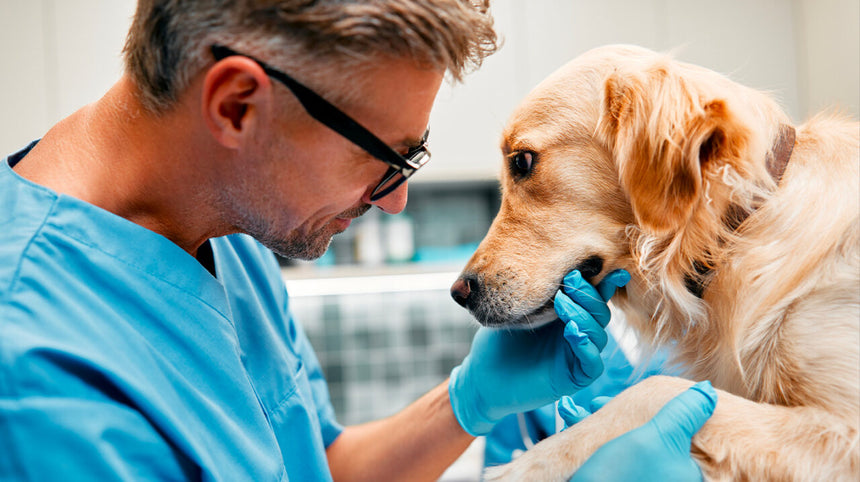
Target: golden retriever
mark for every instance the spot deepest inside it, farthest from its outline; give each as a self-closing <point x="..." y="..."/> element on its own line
<point x="740" y="232"/>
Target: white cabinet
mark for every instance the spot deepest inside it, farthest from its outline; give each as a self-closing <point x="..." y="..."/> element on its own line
<point x="753" y="42"/>
<point x="24" y="75"/>
<point x="56" y="56"/>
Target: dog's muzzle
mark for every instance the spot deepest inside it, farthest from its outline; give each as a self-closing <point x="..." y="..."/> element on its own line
<point x="469" y="293"/>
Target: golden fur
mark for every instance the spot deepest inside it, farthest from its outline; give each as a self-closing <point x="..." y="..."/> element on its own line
<point x="649" y="164"/>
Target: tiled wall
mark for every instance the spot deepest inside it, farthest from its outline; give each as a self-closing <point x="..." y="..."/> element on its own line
<point x="381" y="351"/>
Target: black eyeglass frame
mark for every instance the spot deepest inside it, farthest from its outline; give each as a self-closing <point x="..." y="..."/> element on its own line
<point x="338" y="121"/>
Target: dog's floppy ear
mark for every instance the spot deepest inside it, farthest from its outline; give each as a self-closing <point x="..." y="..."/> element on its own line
<point x="664" y="139"/>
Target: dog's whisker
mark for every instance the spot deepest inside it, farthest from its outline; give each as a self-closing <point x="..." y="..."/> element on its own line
<point x="587" y="295"/>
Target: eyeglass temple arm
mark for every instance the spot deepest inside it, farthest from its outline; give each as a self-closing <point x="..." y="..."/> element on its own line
<point x="329" y="115"/>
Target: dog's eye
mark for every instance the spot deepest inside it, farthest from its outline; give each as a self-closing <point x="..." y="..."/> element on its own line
<point x="521" y="163"/>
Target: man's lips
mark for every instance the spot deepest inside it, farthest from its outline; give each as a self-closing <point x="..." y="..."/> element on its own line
<point x="341" y="223"/>
<point x="344" y="219"/>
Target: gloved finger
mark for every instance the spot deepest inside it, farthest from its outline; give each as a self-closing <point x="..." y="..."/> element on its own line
<point x="598" y="402"/>
<point x="586" y="364"/>
<point x="586" y="296"/>
<point x="570" y="412"/>
<point x="570" y="312"/>
<point x="616" y="279"/>
<point x="685" y="414"/>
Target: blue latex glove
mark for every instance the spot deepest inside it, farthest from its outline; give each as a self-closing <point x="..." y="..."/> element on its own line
<point x="571" y="413"/>
<point x="658" y="451"/>
<point x="512" y="371"/>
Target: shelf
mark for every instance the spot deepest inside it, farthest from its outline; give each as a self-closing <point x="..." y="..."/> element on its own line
<point x="339" y="280"/>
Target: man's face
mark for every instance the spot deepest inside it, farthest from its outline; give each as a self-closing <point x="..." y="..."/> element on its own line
<point x="305" y="182"/>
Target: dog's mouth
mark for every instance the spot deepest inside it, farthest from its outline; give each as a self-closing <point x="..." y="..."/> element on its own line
<point x="545" y="313"/>
<point x="536" y="318"/>
<point x="589" y="268"/>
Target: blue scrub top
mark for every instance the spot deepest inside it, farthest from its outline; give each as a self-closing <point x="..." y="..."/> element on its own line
<point x="123" y="358"/>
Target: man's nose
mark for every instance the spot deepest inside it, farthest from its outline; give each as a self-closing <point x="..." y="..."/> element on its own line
<point x="393" y="202"/>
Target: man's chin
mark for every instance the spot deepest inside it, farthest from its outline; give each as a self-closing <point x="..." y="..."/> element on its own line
<point x="307" y="250"/>
<point x="304" y="245"/>
<point x="306" y="254"/>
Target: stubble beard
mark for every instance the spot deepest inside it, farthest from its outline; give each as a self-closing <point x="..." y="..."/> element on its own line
<point x="298" y="245"/>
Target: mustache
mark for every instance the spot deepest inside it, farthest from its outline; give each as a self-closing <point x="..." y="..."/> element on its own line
<point x="355" y="212"/>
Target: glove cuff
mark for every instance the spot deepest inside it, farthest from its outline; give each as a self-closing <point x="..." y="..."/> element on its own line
<point x="465" y="404"/>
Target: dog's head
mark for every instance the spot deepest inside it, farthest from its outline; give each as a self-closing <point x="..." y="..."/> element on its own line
<point x="619" y="146"/>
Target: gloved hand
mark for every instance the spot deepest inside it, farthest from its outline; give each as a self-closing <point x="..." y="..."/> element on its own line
<point x="512" y="371"/>
<point x="656" y="451"/>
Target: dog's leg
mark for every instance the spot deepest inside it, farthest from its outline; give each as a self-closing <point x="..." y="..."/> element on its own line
<point x="558" y="457"/>
<point x="743" y="440"/>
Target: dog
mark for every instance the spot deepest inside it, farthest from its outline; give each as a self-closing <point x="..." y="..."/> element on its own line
<point x="741" y="235"/>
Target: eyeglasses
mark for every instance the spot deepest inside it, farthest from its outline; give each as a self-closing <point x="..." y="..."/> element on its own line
<point x="401" y="167"/>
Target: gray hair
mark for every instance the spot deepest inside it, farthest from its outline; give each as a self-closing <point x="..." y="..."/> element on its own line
<point x="169" y="40"/>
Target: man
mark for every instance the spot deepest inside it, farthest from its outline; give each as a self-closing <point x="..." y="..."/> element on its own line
<point x="146" y="333"/>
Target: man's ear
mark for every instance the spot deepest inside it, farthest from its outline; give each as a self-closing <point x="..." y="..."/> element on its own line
<point x="233" y="91"/>
<point x="664" y="140"/>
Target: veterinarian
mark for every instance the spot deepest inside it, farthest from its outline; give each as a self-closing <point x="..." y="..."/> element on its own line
<point x="146" y="332"/>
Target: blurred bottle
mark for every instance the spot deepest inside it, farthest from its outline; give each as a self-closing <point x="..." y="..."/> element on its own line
<point x="369" y="245"/>
<point x="342" y="248"/>
<point x="399" y="237"/>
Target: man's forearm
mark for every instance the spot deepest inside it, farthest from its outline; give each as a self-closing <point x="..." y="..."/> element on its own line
<point x="418" y="443"/>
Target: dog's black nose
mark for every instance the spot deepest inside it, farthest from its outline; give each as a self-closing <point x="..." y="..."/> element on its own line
<point x="463" y="289"/>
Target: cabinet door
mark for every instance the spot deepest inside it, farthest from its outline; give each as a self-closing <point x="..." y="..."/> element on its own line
<point x="23" y="79"/>
<point x="538" y="36"/>
<point x="88" y="36"/>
